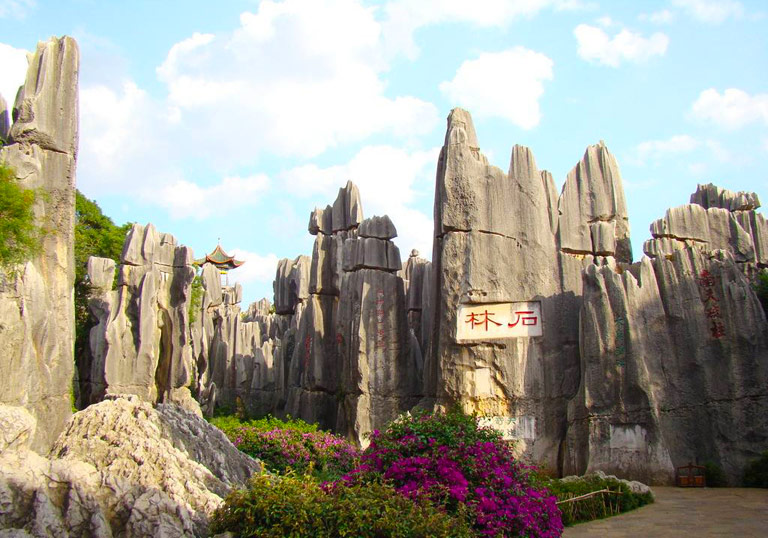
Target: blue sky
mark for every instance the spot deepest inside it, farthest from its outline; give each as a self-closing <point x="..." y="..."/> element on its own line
<point x="234" y="119"/>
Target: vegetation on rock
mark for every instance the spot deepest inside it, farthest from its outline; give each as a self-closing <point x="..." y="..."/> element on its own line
<point x="20" y="235"/>
<point x="299" y="506"/>
<point x="761" y="288"/>
<point x="291" y="445"/>
<point x="95" y="235"/>
<point x="447" y="459"/>
<point x="621" y="499"/>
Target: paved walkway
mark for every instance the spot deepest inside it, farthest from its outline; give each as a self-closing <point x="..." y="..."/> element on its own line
<point x="688" y="513"/>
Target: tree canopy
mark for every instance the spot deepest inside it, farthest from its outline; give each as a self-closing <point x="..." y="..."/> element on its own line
<point x="95" y="235"/>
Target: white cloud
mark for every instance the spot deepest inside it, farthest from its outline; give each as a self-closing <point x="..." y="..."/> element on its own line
<point x="506" y="84"/>
<point x="659" y="149"/>
<point x="390" y="181"/>
<point x="404" y="17"/>
<point x="14" y="71"/>
<point x="598" y="47"/>
<point x="299" y="76"/>
<point x="112" y="123"/>
<point x="663" y="16"/>
<point x="257" y="267"/>
<point x="711" y="11"/>
<point x="733" y="109"/>
<point x="184" y="199"/>
<point x="16" y="9"/>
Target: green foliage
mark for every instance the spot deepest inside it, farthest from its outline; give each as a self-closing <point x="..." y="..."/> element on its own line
<point x="228" y="423"/>
<point x="447" y="429"/>
<point x="299" y="506"/>
<point x="195" y="298"/>
<point x="756" y="472"/>
<point x="761" y="289"/>
<point x="596" y="507"/>
<point x="714" y="475"/>
<point x="20" y="236"/>
<point x="95" y="235"/>
<point x="291" y="445"/>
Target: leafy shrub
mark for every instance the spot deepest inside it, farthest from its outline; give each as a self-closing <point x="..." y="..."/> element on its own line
<point x="20" y="236"/>
<point x="447" y="459"/>
<point x="195" y="298"/>
<point x="714" y="475"/>
<point x="598" y="506"/>
<point x="291" y="445"/>
<point x="299" y="506"/>
<point x="756" y="472"/>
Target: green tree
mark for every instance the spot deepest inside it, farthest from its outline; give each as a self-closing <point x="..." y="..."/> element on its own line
<point x="95" y="235"/>
<point x="20" y="235"/>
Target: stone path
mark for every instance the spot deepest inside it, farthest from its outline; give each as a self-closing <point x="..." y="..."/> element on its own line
<point x="692" y="512"/>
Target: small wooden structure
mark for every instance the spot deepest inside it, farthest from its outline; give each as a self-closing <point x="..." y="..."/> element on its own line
<point x="223" y="262"/>
<point x="691" y="476"/>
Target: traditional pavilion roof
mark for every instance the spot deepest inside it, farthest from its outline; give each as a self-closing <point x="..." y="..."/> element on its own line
<point x="220" y="259"/>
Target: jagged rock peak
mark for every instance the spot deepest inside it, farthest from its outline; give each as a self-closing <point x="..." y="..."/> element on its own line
<point x="522" y="163"/>
<point x="710" y="195"/>
<point x="347" y="209"/>
<point x="345" y="214"/>
<point x="461" y="130"/>
<point x="5" y="120"/>
<point x="593" y="210"/>
<point x="378" y="227"/>
<point x="46" y="106"/>
<point x="145" y="245"/>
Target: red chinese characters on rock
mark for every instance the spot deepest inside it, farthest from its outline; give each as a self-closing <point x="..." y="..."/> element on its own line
<point x="711" y="306"/>
<point x="482" y="319"/>
<point x="526" y="316"/>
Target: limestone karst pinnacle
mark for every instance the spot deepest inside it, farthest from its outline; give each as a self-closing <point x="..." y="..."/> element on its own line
<point x="37" y="335"/>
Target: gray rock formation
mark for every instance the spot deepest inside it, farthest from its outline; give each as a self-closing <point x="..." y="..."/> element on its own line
<point x="593" y="212"/>
<point x="715" y="219"/>
<point x="36" y="308"/>
<point x="5" y="120"/>
<point x="674" y="368"/>
<point x="380" y="376"/>
<point x="496" y="242"/>
<point x="291" y="285"/>
<point x="120" y="468"/>
<point x="141" y="342"/>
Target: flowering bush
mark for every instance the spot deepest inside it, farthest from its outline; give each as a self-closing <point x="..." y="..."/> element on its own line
<point x="292" y="444"/>
<point x="299" y="506"/>
<point x="449" y="460"/>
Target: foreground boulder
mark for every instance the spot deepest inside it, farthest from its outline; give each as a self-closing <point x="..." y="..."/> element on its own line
<point x="120" y="468"/>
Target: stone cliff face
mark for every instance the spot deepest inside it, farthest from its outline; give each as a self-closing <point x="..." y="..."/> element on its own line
<point x="625" y="368"/>
<point x="36" y="303"/>
<point x="675" y="348"/>
<point x="141" y="342"/>
<point x="501" y="240"/>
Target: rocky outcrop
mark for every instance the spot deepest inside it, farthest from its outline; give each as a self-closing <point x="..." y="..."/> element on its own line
<point x="635" y="368"/>
<point x="496" y="242"/>
<point x="715" y="219"/>
<point x="5" y="120"/>
<point x="36" y="308"/>
<point x="291" y="285"/>
<point x="141" y="343"/>
<point x="119" y="469"/>
<point x="380" y="376"/>
<point x="674" y="368"/>
<point x="593" y="212"/>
